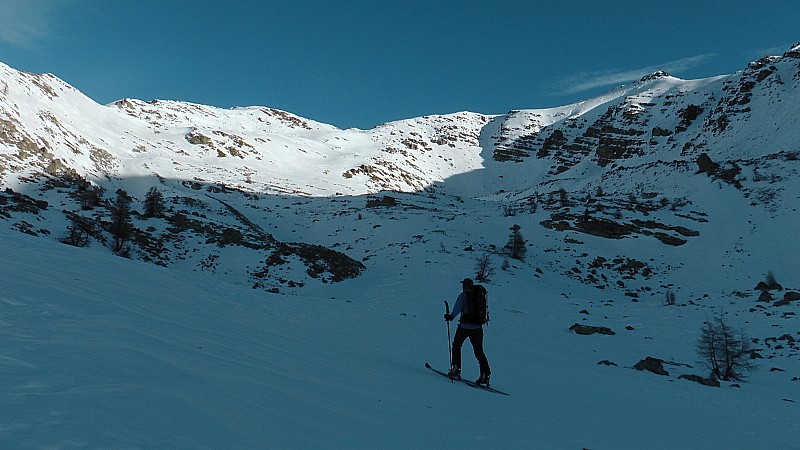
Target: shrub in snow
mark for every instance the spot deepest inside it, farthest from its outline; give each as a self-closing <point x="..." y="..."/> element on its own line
<point x="669" y="298"/>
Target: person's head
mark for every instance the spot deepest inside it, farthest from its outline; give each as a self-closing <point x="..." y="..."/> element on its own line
<point x="466" y="284"/>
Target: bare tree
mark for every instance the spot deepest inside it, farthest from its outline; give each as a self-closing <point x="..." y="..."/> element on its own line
<point x="78" y="231"/>
<point x="770" y="279"/>
<point x="723" y="350"/>
<point x="483" y="268"/>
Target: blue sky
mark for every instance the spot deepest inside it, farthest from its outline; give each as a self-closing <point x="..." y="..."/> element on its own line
<point x="361" y="63"/>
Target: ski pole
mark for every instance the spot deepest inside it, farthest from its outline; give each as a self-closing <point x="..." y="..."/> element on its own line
<point x="449" y="349"/>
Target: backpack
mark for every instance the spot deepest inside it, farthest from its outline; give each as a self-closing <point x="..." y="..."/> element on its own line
<point x="476" y="310"/>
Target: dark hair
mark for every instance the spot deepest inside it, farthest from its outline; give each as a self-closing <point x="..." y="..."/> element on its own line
<point x="467" y="282"/>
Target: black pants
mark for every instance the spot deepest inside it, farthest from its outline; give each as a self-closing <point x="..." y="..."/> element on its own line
<point x="476" y="339"/>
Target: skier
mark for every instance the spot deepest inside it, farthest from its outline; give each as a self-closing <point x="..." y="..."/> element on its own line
<point x="467" y="328"/>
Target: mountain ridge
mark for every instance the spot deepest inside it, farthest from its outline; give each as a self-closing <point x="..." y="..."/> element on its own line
<point x="636" y="162"/>
<point x="695" y="117"/>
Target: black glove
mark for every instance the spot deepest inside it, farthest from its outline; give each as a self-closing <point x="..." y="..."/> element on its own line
<point x="448" y="317"/>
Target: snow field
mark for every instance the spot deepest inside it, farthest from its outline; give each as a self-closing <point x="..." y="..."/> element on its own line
<point x="102" y="352"/>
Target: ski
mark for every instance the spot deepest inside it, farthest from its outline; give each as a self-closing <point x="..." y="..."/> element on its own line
<point x="467" y="382"/>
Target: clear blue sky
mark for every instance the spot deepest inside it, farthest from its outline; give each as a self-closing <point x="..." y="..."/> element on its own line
<point x="360" y="63"/>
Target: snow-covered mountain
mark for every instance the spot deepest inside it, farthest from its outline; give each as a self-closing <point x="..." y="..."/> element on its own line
<point x="50" y="127"/>
<point x="662" y="187"/>
<point x="653" y="148"/>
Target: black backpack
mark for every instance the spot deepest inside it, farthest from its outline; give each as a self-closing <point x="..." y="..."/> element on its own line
<point x="476" y="311"/>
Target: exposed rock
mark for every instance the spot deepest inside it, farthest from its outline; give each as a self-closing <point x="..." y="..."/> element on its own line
<point x="604" y="228"/>
<point x="688" y="115"/>
<point x="231" y="236"/>
<point x="729" y="175"/>
<point x="197" y="138"/>
<point x="651" y="364"/>
<point x="586" y="330"/>
<point x="654" y="76"/>
<point x="553" y="142"/>
<point x="775" y="286"/>
<point x="793" y="53"/>
<point x="669" y="239"/>
<point x="706" y="165"/>
<point x="606" y="362"/>
<point x="658" y="131"/>
<point x="610" y="229"/>
<point x="765" y="297"/>
<point x="788" y="298"/>
<point x="387" y="200"/>
<point x="698" y="379"/>
<point x="791" y="296"/>
<point x="763" y="286"/>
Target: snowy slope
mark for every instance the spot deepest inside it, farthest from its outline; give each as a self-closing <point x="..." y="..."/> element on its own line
<point x="103" y="352"/>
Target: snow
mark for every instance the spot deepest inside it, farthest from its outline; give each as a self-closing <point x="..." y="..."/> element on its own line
<point x="105" y="352"/>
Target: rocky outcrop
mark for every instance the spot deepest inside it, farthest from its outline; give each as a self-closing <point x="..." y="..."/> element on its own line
<point x="651" y="364"/>
<point x="713" y="382"/>
<point x="586" y="330"/>
<point x="788" y="297"/>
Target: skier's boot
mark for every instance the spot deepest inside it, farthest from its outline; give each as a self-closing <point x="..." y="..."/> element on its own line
<point x="455" y="372"/>
<point x="483" y="380"/>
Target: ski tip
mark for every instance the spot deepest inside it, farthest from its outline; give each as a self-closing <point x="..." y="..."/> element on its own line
<point x="427" y="365"/>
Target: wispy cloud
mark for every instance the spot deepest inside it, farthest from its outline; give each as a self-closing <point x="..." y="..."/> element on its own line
<point x="23" y="22"/>
<point x="585" y="81"/>
<point x="770" y="51"/>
